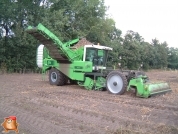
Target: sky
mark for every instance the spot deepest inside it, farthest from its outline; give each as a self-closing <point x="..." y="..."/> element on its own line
<point x="150" y="18"/>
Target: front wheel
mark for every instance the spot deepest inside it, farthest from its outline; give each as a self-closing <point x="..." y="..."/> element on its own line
<point x="56" y="77"/>
<point x="116" y="82"/>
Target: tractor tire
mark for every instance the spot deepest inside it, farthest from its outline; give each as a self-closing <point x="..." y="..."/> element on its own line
<point x="116" y="83"/>
<point x="73" y="82"/>
<point x="66" y="79"/>
<point x="56" y="77"/>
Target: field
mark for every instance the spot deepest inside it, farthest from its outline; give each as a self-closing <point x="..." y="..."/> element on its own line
<point x="44" y="109"/>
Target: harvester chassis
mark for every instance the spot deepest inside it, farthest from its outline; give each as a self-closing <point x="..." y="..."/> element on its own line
<point x="86" y="65"/>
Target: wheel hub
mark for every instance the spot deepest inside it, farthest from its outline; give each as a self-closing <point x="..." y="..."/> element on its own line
<point x="53" y="76"/>
<point x="115" y="83"/>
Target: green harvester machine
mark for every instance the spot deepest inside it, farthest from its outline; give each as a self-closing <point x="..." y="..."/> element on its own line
<point x="86" y="66"/>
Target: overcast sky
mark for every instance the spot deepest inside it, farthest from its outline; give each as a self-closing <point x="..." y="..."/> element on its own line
<point x="150" y="18"/>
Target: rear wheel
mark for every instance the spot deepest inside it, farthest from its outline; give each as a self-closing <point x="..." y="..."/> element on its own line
<point x="56" y="77"/>
<point x="66" y="80"/>
<point x="73" y="82"/>
<point x="116" y="82"/>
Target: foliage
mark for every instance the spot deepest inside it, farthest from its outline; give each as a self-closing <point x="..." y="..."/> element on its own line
<point x="173" y="58"/>
<point x="17" y="51"/>
<point x="70" y="19"/>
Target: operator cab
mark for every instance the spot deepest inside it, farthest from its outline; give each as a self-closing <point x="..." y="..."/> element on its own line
<point x="97" y="55"/>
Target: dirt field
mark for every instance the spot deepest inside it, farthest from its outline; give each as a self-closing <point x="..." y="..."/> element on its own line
<point x="44" y="109"/>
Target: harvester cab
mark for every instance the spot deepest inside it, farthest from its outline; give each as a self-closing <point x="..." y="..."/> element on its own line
<point x="86" y="66"/>
<point x="97" y="55"/>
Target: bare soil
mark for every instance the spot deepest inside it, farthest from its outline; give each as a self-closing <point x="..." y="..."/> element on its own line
<point x="41" y="108"/>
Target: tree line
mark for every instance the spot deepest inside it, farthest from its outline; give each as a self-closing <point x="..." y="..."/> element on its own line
<point x="70" y="19"/>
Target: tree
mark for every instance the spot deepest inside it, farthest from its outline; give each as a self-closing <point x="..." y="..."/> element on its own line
<point x="85" y="19"/>
<point x="131" y="54"/>
<point x="70" y="19"/>
<point x="173" y="58"/>
<point x="18" y="48"/>
<point x="67" y="19"/>
<point x="161" y="54"/>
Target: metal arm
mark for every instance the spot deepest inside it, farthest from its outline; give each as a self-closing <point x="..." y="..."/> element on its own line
<point x="57" y="49"/>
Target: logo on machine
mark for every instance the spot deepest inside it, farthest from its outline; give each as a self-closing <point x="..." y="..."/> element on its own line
<point x="78" y="67"/>
<point x="50" y="62"/>
<point x="88" y="66"/>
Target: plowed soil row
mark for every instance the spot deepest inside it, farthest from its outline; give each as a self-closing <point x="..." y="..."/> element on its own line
<point x="43" y="108"/>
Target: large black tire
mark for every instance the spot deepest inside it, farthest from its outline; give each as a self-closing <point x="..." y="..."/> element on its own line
<point x="66" y="79"/>
<point x="73" y="82"/>
<point x="116" y="83"/>
<point x="56" y="77"/>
